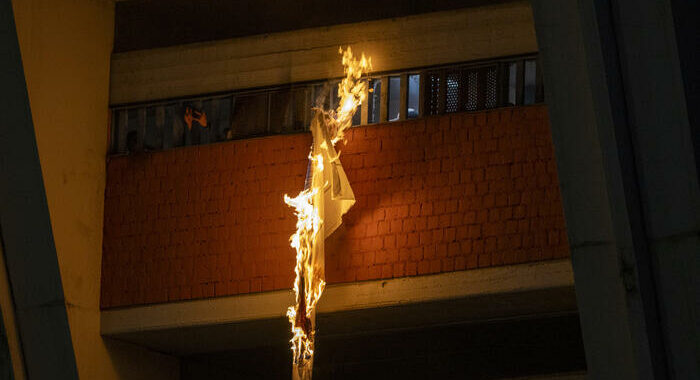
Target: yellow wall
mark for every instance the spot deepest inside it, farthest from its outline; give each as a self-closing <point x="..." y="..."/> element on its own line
<point x="66" y="47"/>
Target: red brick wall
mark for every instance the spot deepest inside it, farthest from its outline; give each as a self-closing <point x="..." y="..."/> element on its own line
<point x="433" y="195"/>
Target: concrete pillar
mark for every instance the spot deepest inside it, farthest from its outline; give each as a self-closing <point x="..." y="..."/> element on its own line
<point x="25" y="225"/>
<point x="628" y="175"/>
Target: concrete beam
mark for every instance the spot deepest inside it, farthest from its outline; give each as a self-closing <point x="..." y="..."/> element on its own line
<point x="258" y="319"/>
<point x="312" y="54"/>
<point x="152" y="24"/>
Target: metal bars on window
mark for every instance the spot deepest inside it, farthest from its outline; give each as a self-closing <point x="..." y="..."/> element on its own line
<point x="392" y="96"/>
<point x="472" y="87"/>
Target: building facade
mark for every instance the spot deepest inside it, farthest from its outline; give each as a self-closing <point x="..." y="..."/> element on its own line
<point x="503" y="150"/>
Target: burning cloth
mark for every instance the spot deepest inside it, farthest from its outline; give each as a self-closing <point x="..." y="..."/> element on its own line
<point x="319" y="209"/>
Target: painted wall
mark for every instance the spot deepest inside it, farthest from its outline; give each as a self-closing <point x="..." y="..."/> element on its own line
<point x="66" y="47"/>
<point x="438" y="194"/>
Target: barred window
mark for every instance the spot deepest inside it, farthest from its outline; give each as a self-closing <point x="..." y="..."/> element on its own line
<point x="288" y="109"/>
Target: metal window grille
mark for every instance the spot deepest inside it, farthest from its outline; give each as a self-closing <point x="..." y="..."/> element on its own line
<point x="452" y="95"/>
<point x="491" y="88"/>
<point x="433" y="106"/>
<point x="472" y="79"/>
<point x="287" y="109"/>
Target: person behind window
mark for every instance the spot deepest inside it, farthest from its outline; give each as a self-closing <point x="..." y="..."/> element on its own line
<point x="195" y="121"/>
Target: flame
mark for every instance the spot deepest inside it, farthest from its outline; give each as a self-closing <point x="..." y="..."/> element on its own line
<point x="308" y="224"/>
<point x="352" y="92"/>
<point x="309" y="283"/>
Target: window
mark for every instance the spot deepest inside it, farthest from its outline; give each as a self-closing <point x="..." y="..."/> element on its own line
<point x="394" y="101"/>
<point x="413" y="96"/>
<point x="374" y="101"/>
<point x="357" y="117"/>
<point x="491" y="90"/>
<point x="281" y="112"/>
<point x="433" y="94"/>
<point x="249" y="116"/>
<point x="512" y="83"/>
<point x="530" y="79"/>
<point x="472" y="90"/>
<point x="288" y="109"/>
<point x="301" y="112"/>
<point x="452" y="95"/>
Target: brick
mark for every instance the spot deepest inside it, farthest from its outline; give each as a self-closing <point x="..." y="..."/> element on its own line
<point x="474" y="231"/>
<point x="412" y="240"/>
<point x="375" y="272"/>
<point x="486" y="178"/>
<point x="371" y="229"/>
<point x="398" y="269"/>
<point x="424" y="267"/>
<point x="256" y="285"/>
<point x="415" y="253"/>
<point x="401" y="240"/>
<point x="387" y="271"/>
<point x="448" y="264"/>
<point x="411" y="268"/>
<point x="267" y="283"/>
<point x="553" y="238"/>
<point x="368" y="258"/>
<point x="435" y="265"/>
<point x="362" y="273"/>
<point x="390" y="241"/>
<point x="484" y="260"/>
<point x="448" y="249"/>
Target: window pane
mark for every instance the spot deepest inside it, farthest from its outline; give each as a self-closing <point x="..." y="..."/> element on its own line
<point x="119" y="125"/>
<point x="205" y="116"/>
<point x="335" y="99"/>
<point x="249" y="116"/>
<point x="512" y="81"/>
<point x="490" y="100"/>
<point x="134" y="139"/>
<point x="357" y="117"/>
<point x="154" y="131"/>
<point x="321" y="96"/>
<point x="472" y="90"/>
<point x="433" y="93"/>
<point x="394" y="98"/>
<point x="530" y="82"/>
<point x="179" y="126"/>
<point x="281" y="119"/>
<point x="221" y="119"/>
<point x="302" y="108"/>
<point x="413" y="96"/>
<point x="375" y="88"/>
<point x="452" y="95"/>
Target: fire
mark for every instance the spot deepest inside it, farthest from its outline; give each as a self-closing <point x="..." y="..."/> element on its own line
<point x="351" y="91"/>
<point x="328" y="196"/>
<point x="308" y="224"/>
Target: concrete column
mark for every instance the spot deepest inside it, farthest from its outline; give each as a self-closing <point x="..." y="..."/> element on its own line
<point x="629" y="182"/>
<point x="25" y="225"/>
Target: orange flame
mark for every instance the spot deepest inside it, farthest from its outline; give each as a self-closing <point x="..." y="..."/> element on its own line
<point x="351" y="91"/>
<point x="308" y="224"/>
<point x="309" y="282"/>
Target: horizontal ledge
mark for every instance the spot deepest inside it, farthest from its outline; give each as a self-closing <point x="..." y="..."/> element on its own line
<point x="421" y="40"/>
<point x="340" y="298"/>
